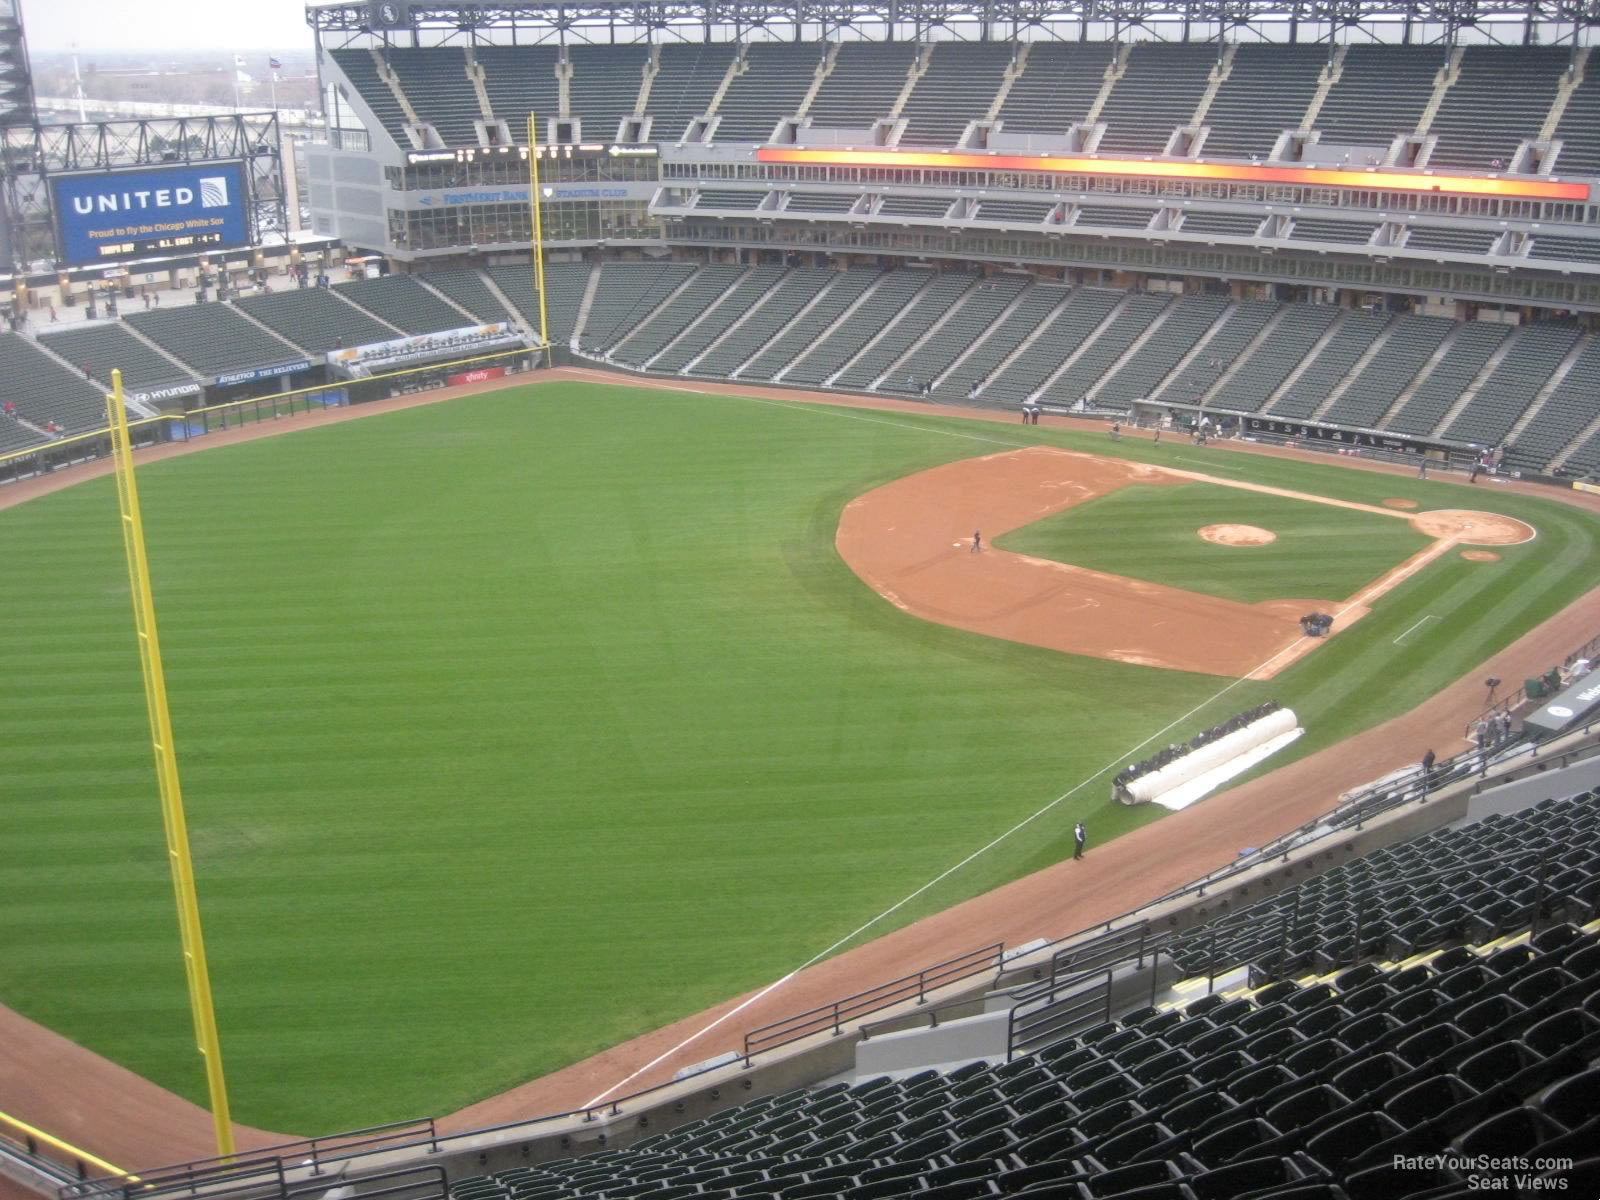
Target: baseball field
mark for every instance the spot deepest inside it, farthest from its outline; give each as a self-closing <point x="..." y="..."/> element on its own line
<point x="519" y="724"/>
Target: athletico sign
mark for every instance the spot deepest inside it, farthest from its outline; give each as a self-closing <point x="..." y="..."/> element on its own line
<point x="288" y="368"/>
<point x="126" y="214"/>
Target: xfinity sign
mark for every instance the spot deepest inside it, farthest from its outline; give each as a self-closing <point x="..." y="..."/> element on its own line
<point x="166" y="210"/>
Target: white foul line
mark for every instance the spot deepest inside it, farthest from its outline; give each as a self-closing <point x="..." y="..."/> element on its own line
<point x="1419" y="562"/>
<point x="1413" y="629"/>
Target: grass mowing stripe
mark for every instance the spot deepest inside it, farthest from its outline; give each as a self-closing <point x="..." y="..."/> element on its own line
<point x="509" y="732"/>
<point x="1151" y="533"/>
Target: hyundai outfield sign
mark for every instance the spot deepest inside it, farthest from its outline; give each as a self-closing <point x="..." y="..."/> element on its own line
<point x="111" y="215"/>
<point x="156" y="395"/>
<point x="424" y="347"/>
<point x="288" y="368"/>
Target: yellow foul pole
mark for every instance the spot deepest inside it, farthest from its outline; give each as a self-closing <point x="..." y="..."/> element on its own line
<point x="155" y="695"/>
<point x="538" y="233"/>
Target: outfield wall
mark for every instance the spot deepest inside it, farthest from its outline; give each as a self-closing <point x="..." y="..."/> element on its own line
<point x="183" y="427"/>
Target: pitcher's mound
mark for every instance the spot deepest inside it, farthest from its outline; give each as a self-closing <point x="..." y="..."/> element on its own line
<point x="1480" y="556"/>
<point x="1238" y="535"/>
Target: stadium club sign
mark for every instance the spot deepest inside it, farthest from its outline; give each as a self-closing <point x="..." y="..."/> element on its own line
<point x="288" y="368"/>
<point x="455" y="197"/>
<point x="123" y="214"/>
<point x="424" y="347"/>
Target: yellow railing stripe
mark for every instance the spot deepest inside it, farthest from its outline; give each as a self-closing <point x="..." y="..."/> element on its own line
<point x="55" y="1143"/>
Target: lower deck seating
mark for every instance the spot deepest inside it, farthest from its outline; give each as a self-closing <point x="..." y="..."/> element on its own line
<point x="100" y="349"/>
<point x="1415" y="896"/>
<point x="1311" y="1089"/>
<point x="44" y="391"/>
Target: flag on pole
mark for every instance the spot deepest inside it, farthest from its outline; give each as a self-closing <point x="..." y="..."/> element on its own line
<point x="274" y="64"/>
<point x="238" y="61"/>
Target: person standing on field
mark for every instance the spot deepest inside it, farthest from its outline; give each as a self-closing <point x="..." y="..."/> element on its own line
<point x="977" y="541"/>
<point x="1079" y="836"/>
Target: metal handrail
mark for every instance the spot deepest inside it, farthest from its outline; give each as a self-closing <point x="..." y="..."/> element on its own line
<point x="33" y="1144"/>
<point x="874" y="999"/>
<point x="319" y="1151"/>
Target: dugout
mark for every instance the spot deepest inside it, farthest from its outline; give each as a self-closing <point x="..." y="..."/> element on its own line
<point x="1567" y="708"/>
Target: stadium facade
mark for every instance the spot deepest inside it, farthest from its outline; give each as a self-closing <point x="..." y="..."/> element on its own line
<point x="1380" y="151"/>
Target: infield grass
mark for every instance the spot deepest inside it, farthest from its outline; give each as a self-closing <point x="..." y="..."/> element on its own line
<point x="1321" y="551"/>
<point x="520" y="724"/>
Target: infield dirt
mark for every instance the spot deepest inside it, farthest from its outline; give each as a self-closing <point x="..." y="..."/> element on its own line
<point x="99" y="1106"/>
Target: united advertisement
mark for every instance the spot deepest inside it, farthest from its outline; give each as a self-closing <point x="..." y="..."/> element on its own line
<point x="110" y="215"/>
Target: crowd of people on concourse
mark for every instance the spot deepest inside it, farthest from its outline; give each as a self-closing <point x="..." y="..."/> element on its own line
<point x="1177" y="750"/>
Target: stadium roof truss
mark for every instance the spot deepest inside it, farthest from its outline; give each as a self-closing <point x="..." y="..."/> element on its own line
<point x="1507" y="21"/>
<point x="31" y="154"/>
<point x="106" y="145"/>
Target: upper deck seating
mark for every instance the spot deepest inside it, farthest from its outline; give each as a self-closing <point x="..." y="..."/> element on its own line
<point x="520" y="80"/>
<point x="1057" y="88"/>
<point x="604" y="87"/>
<point x="1381" y="93"/>
<point x="435" y="80"/>
<point x="1500" y="98"/>
<point x="775" y="80"/>
<point x="866" y="80"/>
<point x="958" y="87"/>
<point x="1158" y="92"/>
<point x="375" y="93"/>
<point x="1268" y="91"/>
<point x="686" y="80"/>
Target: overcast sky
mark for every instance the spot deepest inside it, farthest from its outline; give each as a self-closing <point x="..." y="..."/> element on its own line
<point x="237" y="25"/>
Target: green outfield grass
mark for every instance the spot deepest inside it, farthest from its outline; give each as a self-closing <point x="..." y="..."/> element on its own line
<point x="1150" y="533"/>
<point x="517" y="725"/>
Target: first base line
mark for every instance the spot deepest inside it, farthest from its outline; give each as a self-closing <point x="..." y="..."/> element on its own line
<point x="1401" y="639"/>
